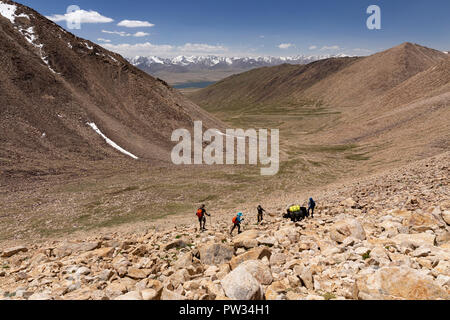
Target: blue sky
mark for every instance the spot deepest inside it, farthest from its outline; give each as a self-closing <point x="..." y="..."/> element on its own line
<point x="249" y="27"/>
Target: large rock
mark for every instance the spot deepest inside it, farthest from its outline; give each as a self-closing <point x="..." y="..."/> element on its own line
<point x="277" y="259"/>
<point x="347" y="228"/>
<point x="132" y="295"/>
<point x="421" y="222"/>
<point x="305" y="274"/>
<point x="216" y="254"/>
<point x="152" y="291"/>
<point x="175" y="244"/>
<point x="184" y="261"/>
<point x="239" y="284"/>
<point x="274" y="291"/>
<point x="446" y="216"/>
<point x="13" y="251"/>
<point x="416" y="240"/>
<point x="253" y="254"/>
<point x="170" y="295"/>
<point x="246" y="239"/>
<point x="40" y="296"/>
<point x="68" y="248"/>
<point x="399" y="283"/>
<point x="258" y="270"/>
<point x="135" y="273"/>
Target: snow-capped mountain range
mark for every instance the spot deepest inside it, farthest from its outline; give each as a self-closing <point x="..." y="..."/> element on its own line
<point x="153" y="64"/>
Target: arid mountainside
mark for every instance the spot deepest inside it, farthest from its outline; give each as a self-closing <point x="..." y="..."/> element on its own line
<point x="386" y="236"/>
<point x="396" y="101"/>
<point x="52" y="84"/>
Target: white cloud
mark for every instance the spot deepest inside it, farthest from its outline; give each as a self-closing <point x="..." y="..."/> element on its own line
<point x="140" y="49"/>
<point x="81" y="16"/>
<point x="285" y="45"/>
<point x="201" y="48"/>
<point x="135" y="24"/>
<point x="165" y="50"/>
<point x="141" y="34"/>
<point x="103" y="40"/>
<point x="119" y="33"/>
<point x="330" y="48"/>
<point x="312" y="48"/>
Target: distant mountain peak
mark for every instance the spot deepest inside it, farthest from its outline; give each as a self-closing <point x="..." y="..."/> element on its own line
<point x="182" y="63"/>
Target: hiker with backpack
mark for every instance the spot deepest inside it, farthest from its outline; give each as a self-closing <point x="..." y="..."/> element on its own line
<point x="201" y="214"/>
<point x="311" y="207"/>
<point x="237" y="223"/>
<point x="260" y="213"/>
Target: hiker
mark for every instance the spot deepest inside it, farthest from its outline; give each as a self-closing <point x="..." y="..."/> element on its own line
<point x="260" y="213"/>
<point x="201" y="214"/>
<point x="237" y="223"/>
<point x="311" y="207"/>
<point x="295" y="213"/>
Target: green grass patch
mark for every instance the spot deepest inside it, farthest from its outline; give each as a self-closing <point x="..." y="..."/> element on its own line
<point x="366" y="255"/>
<point x="329" y="296"/>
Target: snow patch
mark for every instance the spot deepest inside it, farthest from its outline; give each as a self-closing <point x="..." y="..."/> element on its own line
<point x="110" y="142"/>
<point x="8" y="11"/>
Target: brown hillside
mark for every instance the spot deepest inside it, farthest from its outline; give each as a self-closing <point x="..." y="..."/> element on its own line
<point x="342" y="81"/>
<point x="372" y="76"/>
<point x="53" y="83"/>
<point x="268" y="84"/>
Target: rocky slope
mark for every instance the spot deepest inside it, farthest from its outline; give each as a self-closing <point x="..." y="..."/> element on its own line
<point x="383" y="237"/>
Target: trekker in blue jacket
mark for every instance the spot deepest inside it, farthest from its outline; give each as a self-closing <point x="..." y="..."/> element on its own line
<point x="237" y="223"/>
<point x="311" y="207"/>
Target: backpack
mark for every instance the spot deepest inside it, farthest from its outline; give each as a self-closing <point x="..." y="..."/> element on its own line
<point x="235" y="220"/>
<point x="294" y="208"/>
<point x="200" y="213"/>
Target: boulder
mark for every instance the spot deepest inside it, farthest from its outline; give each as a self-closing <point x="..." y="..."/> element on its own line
<point x="69" y="248"/>
<point x="347" y="228"/>
<point x="175" y="244"/>
<point x="246" y="239"/>
<point x="150" y="294"/>
<point x="277" y="259"/>
<point x="399" y="283"/>
<point x="267" y="241"/>
<point x="132" y="295"/>
<point x="258" y="270"/>
<point x="421" y="222"/>
<point x="253" y="254"/>
<point x="239" y="284"/>
<point x="216" y="254"/>
<point x="183" y="261"/>
<point x="135" y="273"/>
<point x="13" y="251"/>
<point x="305" y="274"/>
<point x="274" y="290"/>
<point x="446" y="216"/>
<point x="170" y="295"/>
<point x="417" y="240"/>
<point x="40" y="296"/>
